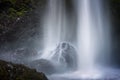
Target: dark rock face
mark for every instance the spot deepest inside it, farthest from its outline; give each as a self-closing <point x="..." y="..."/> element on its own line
<point x="115" y="19"/>
<point x="19" y="22"/>
<point x="9" y="71"/>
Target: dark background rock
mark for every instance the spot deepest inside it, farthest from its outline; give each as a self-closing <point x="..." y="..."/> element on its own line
<point x="115" y="23"/>
<point x="20" y="29"/>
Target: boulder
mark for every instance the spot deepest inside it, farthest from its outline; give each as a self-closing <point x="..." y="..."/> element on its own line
<point x="10" y="71"/>
<point x="66" y="55"/>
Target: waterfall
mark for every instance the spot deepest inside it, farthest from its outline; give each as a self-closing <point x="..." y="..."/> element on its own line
<point x="91" y="36"/>
<point x="92" y="39"/>
<point x="93" y="32"/>
<point x="86" y="35"/>
<point x="54" y="26"/>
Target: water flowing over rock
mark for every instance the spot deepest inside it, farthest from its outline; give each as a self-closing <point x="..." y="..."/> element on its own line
<point x="91" y="41"/>
<point x="65" y="54"/>
<point x="62" y="59"/>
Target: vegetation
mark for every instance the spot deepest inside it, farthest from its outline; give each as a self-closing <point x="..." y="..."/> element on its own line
<point x="16" y="14"/>
<point x="9" y="71"/>
<point x="15" y="8"/>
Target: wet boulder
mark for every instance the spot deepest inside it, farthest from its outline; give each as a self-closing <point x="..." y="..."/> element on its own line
<point x="10" y="71"/>
<point x="62" y="58"/>
<point x="66" y="55"/>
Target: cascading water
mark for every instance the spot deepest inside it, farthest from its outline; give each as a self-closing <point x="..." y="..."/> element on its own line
<point x="91" y="36"/>
<point x="56" y="45"/>
<point x="54" y="26"/>
<point x="92" y="40"/>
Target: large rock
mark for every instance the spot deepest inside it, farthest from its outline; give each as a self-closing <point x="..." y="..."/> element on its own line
<point x="66" y="55"/>
<point x="63" y="58"/>
<point x="9" y="71"/>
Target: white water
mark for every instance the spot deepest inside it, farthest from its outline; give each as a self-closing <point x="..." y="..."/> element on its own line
<point x="93" y="32"/>
<point x="86" y="35"/>
<point x="92" y="38"/>
<point x="54" y="26"/>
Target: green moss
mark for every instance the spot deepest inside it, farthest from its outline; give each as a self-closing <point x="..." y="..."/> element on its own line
<point x="20" y="13"/>
<point x="12" y="1"/>
<point x="15" y="8"/>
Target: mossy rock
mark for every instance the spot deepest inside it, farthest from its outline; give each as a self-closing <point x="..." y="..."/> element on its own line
<point x="9" y="71"/>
